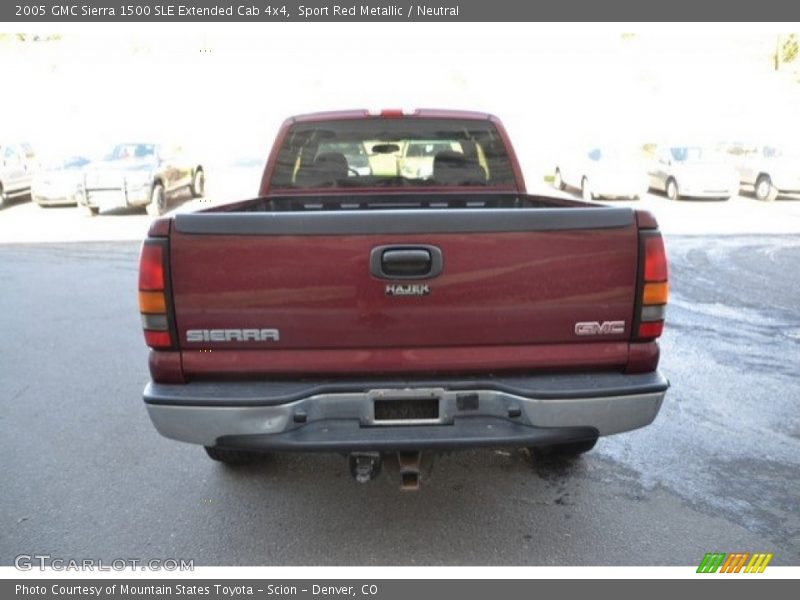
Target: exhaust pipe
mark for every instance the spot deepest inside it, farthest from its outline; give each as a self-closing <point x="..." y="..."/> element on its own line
<point x="365" y="466"/>
<point x="409" y="470"/>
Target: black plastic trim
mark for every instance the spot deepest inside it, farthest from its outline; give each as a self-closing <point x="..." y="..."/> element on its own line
<point x="411" y="221"/>
<point x="276" y="392"/>
<point x="349" y="436"/>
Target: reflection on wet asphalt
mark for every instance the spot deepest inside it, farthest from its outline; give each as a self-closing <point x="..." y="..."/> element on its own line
<point x="728" y="436"/>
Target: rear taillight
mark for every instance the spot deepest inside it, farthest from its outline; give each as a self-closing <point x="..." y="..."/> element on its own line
<point x="654" y="290"/>
<point x="153" y="300"/>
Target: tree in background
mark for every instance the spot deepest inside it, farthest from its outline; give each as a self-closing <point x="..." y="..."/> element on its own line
<point x="29" y="37"/>
<point x="787" y="49"/>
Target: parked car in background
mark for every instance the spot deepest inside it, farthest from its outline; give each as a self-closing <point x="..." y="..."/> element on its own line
<point x="17" y="167"/>
<point x="417" y="159"/>
<point x="604" y="173"/>
<point x="384" y="157"/>
<point x="692" y="172"/>
<point x="58" y="182"/>
<point x="767" y="171"/>
<point x="140" y="174"/>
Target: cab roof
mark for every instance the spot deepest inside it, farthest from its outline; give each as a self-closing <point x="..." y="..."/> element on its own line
<point x="425" y="113"/>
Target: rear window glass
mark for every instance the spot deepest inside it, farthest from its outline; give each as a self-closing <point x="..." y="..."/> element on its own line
<point x="410" y="152"/>
<point x="71" y="162"/>
<point x="687" y="153"/>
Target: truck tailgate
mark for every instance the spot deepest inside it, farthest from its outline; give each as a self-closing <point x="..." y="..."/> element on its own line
<point x="288" y="292"/>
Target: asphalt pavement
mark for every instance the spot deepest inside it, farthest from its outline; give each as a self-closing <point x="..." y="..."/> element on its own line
<point x="85" y="475"/>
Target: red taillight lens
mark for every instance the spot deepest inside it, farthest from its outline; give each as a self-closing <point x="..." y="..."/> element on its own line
<point x="651" y="329"/>
<point x="655" y="259"/>
<point x="157" y="339"/>
<point x="153" y="303"/>
<point x="151" y="267"/>
<point x="654" y="287"/>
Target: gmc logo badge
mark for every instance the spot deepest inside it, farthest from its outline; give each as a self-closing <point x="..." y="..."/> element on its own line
<point x="596" y="328"/>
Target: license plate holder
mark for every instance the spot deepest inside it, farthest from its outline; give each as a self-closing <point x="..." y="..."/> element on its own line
<point x="407" y="407"/>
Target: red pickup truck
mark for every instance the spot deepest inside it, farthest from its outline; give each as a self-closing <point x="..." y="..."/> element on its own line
<point x="360" y="307"/>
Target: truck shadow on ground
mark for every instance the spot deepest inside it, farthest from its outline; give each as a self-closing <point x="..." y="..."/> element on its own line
<point x="285" y="466"/>
<point x="462" y="497"/>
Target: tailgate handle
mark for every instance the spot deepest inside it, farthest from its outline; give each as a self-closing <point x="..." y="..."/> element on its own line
<point x="406" y="262"/>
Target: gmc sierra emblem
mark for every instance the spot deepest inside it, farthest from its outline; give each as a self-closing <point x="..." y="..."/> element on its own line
<point x="411" y="289"/>
<point x="232" y="335"/>
<point x="595" y="328"/>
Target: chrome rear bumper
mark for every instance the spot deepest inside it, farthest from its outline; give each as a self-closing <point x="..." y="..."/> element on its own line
<point x="231" y="415"/>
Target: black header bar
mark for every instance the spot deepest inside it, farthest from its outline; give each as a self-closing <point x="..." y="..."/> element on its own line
<point x="280" y="11"/>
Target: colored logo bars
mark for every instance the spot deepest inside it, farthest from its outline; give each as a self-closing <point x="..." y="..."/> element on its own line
<point x="734" y="563"/>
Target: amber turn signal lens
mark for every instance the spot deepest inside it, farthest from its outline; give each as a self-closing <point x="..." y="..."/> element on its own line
<point x="655" y="293"/>
<point x="152" y="302"/>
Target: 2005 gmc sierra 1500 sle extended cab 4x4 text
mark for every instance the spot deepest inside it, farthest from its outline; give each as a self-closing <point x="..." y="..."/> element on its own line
<point x="360" y="307"/>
